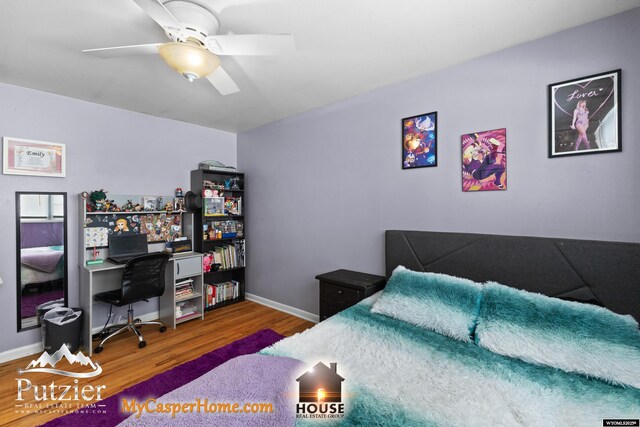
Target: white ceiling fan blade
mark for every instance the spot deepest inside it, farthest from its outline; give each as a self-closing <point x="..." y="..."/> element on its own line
<point x="251" y="44"/>
<point x="219" y="5"/>
<point x="112" y="52"/>
<point x="223" y="82"/>
<point x="158" y="13"/>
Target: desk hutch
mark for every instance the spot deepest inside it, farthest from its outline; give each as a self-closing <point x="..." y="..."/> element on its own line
<point x="183" y="268"/>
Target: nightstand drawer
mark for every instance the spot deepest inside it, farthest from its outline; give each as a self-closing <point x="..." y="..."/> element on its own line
<point x="340" y="293"/>
<point x="340" y="289"/>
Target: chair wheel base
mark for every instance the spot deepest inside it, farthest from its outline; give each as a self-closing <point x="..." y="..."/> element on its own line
<point x="163" y="328"/>
<point x="142" y="344"/>
<point x="98" y="349"/>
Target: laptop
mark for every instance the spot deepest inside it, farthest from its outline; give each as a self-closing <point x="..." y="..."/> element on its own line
<point x="124" y="247"/>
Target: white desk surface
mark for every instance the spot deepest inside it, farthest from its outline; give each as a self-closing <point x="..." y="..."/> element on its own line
<point x="102" y="277"/>
<point x="108" y="265"/>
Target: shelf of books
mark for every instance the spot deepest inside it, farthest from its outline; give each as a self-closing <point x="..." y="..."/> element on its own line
<point x="222" y="221"/>
<point x="220" y="294"/>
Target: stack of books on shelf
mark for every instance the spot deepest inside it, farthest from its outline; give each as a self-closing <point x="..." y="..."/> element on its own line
<point x="230" y="256"/>
<point x="184" y="289"/>
<point x="220" y="292"/>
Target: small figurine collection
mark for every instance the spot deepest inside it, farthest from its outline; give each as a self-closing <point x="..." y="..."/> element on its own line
<point x="217" y="230"/>
<point x="158" y="220"/>
<point x="212" y="189"/>
<point x="216" y="189"/>
<point x="97" y="201"/>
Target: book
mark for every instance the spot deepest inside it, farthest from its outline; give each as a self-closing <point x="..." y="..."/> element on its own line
<point x="221" y="292"/>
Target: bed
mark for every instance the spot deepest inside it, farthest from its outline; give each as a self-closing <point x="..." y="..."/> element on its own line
<point x="41" y="255"/>
<point x="41" y="266"/>
<point x="447" y="343"/>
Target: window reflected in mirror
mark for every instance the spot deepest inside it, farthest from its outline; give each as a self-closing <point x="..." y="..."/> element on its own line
<point x="41" y="255"/>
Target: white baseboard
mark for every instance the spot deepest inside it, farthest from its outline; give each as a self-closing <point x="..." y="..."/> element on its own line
<point x="27" y="350"/>
<point x="17" y="353"/>
<point x="283" y="307"/>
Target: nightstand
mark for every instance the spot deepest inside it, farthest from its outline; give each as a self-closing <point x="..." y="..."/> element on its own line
<point x="341" y="289"/>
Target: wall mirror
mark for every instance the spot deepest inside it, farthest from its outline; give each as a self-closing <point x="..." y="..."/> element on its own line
<point x="41" y="254"/>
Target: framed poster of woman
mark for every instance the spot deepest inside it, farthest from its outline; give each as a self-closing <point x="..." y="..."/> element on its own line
<point x="584" y="115"/>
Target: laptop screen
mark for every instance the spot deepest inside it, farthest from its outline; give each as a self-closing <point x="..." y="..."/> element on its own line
<point x="124" y="245"/>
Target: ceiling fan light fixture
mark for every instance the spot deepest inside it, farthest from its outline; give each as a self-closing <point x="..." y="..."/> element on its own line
<point x="189" y="59"/>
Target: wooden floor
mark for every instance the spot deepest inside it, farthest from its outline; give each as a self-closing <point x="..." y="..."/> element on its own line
<point x="124" y="364"/>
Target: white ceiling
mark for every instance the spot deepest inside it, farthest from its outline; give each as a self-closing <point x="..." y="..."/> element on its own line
<point x="344" y="48"/>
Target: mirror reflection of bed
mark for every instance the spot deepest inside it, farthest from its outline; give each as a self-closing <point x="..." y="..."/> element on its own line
<point x="41" y="257"/>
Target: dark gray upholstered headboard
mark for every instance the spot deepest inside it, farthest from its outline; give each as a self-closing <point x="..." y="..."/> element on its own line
<point x="581" y="269"/>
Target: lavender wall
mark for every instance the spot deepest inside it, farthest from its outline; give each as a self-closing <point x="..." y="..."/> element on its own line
<point x="121" y="151"/>
<point x="324" y="185"/>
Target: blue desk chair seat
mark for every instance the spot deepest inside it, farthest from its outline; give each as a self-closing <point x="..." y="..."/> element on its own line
<point x="142" y="279"/>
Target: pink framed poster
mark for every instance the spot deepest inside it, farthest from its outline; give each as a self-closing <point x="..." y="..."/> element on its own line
<point x="484" y="160"/>
<point x="28" y="157"/>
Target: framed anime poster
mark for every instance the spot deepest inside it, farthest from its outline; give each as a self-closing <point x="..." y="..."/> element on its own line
<point x="37" y="158"/>
<point x="484" y="160"/>
<point x="584" y="115"/>
<point x="420" y="141"/>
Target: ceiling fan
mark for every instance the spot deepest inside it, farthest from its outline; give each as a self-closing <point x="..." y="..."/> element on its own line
<point x="195" y="43"/>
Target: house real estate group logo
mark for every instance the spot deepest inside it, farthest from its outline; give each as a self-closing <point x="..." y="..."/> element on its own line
<point x="61" y="398"/>
<point x="320" y="392"/>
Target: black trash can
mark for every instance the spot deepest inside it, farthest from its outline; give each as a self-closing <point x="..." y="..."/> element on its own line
<point x="44" y="307"/>
<point x="61" y="325"/>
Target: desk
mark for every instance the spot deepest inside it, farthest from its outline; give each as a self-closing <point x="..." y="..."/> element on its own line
<point x="107" y="276"/>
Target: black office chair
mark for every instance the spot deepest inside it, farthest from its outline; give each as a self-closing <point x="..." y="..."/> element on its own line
<point x="142" y="279"/>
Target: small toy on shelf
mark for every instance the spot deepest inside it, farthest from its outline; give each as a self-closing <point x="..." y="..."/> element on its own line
<point x="110" y="206"/>
<point x="178" y="202"/>
<point x="99" y="198"/>
<point x="168" y="207"/>
<point x="228" y="206"/>
<point x="207" y="261"/>
<point x="128" y="207"/>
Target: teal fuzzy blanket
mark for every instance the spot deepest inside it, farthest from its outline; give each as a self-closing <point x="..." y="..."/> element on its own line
<point x="397" y="374"/>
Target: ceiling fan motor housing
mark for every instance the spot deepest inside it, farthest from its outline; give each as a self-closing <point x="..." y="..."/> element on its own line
<point x="196" y="22"/>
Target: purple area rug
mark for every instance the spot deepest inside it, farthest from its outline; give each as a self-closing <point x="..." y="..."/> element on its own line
<point x="168" y="381"/>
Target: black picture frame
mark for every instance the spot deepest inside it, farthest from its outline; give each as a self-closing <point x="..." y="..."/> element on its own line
<point x="65" y="279"/>
<point x="420" y="141"/>
<point x="592" y="128"/>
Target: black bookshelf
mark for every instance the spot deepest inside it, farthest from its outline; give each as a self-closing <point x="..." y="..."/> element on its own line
<point x="205" y="244"/>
